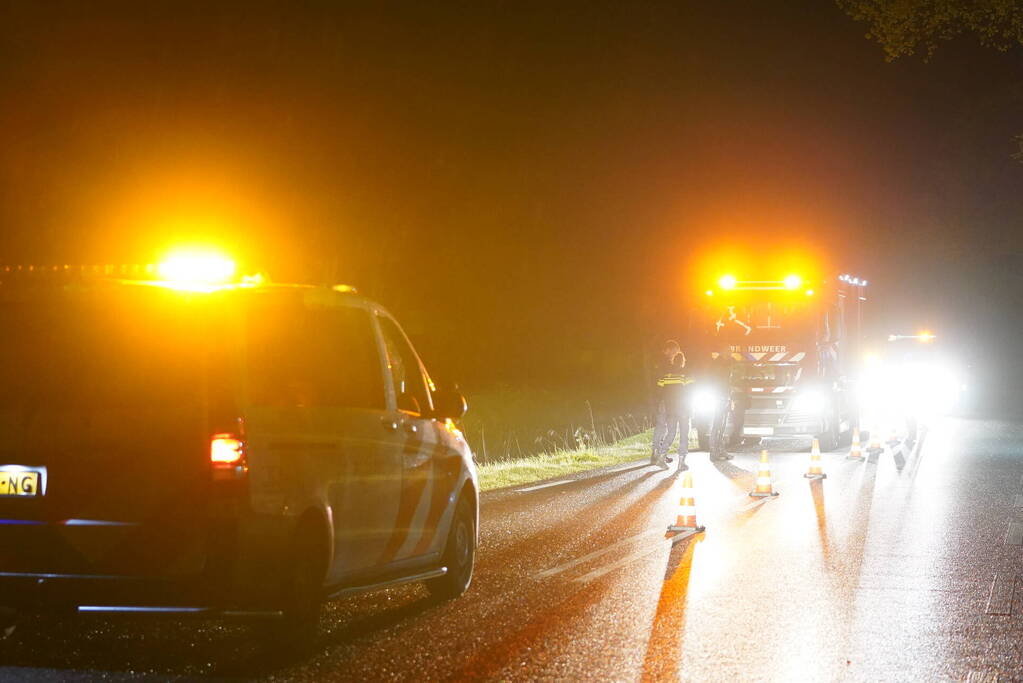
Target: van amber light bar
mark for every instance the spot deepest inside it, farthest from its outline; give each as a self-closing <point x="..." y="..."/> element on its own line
<point x="135" y="269"/>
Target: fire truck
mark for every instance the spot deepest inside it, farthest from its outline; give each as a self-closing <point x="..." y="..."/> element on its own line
<point x="796" y="349"/>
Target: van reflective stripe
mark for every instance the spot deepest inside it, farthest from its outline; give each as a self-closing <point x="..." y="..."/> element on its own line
<point x="444" y="477"/>
<point x="411" y="491"/>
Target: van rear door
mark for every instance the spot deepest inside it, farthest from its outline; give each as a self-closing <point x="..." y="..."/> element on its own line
<point x="103" y="399"/>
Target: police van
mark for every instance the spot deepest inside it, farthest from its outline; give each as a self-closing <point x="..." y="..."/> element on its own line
<point x="244" y="449"/>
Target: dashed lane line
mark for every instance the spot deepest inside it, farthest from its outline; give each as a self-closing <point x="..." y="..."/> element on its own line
<point x="999" y="599"/>
<point x="553" y="571"/>
<point x="629" y="559"/>
<point x="1014" y="534"/>
<point x="544" y="486"/>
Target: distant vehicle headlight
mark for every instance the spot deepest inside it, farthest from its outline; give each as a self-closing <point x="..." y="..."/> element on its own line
<point x="704" y="402"/>
<point x="809" y="402"/>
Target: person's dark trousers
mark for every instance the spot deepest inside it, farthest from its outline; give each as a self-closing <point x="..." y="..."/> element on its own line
<point x="718" y="442"/>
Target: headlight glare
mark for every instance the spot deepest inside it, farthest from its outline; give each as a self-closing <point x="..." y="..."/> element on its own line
<point x="808" y="402"/>
<point x="704" y="402"/>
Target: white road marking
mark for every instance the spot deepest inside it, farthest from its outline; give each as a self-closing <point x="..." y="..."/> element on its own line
<point x="627" y="560"/>
<point x="999" y="600"/>
<point x="1014" y="535"/>
<point x="595" y="554"/>
<point x="756" y="504"/>
<point x="620" y="468"/>
<point x="545" y="486"/>
<point x="982" y="677"/>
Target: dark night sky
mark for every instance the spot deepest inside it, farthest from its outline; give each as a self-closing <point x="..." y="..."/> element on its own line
<point x="525" y="184"/>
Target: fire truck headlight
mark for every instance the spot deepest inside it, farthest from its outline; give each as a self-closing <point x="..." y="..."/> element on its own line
<point x="704" y="402"/>
<point x="809" y="402"/>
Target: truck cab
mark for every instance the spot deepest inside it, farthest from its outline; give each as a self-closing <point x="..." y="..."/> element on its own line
<point x="794" y="350"/>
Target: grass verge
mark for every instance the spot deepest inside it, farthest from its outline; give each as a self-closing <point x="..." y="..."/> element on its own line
<point x="559" y="463"/>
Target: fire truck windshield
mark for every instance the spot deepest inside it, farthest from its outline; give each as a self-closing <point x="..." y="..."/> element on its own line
<point x="764" y="322"/>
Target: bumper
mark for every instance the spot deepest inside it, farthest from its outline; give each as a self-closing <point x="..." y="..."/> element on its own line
<point x="36" y="591"/>
<point x="240" y="573"/>
<point x="809" y="428"/>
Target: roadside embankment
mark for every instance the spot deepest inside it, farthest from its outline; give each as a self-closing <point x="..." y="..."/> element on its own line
<point x="559" y="463"/>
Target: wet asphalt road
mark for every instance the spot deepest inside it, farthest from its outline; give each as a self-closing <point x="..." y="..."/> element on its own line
<point x="875" y="573"/>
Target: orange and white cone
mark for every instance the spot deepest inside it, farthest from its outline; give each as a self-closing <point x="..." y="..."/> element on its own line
<point x="875" y="442"/>
<point x="764" y="487"/>
<point x="687" y="513"/>
<point x="815" y="471"/>
<point x="893" y="438"/>
<point x="855" y="452"/>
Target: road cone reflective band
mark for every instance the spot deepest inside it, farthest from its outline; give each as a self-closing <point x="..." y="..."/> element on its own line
<point x="855" y="452"/>
<point x="875" y="443"/>
<point x="815" y="471"/>
<point x="687" y="513"/>
<point x="764" y="487"/>
<point x="893" y="438"/>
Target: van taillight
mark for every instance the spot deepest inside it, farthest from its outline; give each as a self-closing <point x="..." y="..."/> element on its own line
<point x="227" y="453"/>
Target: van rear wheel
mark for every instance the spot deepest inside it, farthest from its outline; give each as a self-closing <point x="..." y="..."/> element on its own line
<point x="459" y="555"/>
<point x="302" y="595"/>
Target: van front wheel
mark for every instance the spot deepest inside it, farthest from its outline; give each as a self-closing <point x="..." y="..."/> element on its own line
<point x="459" y="555"/>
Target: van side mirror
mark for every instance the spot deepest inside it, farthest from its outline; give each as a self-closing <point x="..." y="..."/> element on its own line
<point x="408" y="403"/>
<point x="449" y="403"/>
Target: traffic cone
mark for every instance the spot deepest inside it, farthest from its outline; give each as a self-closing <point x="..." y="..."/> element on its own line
<point x="815" y="471"/>
<point x="764" y="487"/>
<point x="855" y="452"/>
<point x="687" y="513"/>
<point x="893" y="438"/>
<point x="875" y="443"/>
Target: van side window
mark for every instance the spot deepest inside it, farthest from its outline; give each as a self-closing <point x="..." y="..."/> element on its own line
<point x="406" y="374"/>
<point x="301" y="357"/>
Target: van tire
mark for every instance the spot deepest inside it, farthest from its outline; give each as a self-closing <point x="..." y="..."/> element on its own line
<point x="301" y="597"/>
<point x="459" y="555"/>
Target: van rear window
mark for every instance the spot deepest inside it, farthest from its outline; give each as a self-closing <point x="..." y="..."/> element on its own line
<point x="308" y="357"/>
<point x="94" y="353"/>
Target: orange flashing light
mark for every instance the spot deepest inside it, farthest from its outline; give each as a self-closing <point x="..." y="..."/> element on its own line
<point x="196" y="269"/>
<point x="727" y="282"/>
<point x="809" y="292"/>
<point x="227" y="450"/>
<point x="793" y="281"/>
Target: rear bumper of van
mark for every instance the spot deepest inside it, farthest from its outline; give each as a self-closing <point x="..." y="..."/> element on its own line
<point x="117" y="595"/>
<point x="239" y="575"/>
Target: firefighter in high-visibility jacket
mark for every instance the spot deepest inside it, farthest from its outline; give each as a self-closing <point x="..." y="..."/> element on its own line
<point x="671" y="406"/>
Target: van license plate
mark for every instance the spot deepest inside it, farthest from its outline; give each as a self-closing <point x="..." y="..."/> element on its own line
<point x="758" y="431"/>
<point x="19" y="483"/>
